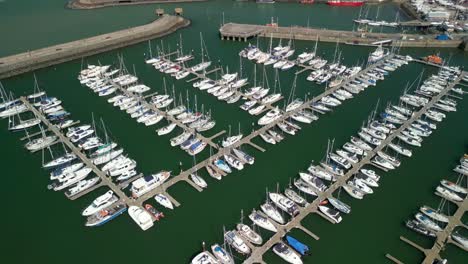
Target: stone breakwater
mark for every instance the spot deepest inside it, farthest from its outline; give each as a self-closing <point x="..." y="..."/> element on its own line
<point x="91" y="4"/>
<point x="45" y="57"/>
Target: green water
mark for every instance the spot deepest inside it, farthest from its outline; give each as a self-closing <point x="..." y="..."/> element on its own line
<point x="42" y="226"/>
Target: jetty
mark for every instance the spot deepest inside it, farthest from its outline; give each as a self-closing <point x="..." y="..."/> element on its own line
<point x="104" y="179"/>
<point x="242" y="32"/>
<point x="184" y="176"/>
<point x="257" y="253"/>
<point x="45" y="57"/>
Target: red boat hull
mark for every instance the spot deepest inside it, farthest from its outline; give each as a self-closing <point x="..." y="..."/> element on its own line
<point x="345" y="3"/>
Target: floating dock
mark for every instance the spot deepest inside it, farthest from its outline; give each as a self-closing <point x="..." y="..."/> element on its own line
<point x="257" y="253"/>
<point x="104" y="179"/>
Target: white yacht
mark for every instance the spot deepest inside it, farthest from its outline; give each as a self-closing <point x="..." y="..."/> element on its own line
<point x="99" y="203"/>
<point x="107" y="157"/>
<point x="447" y="194"/>
<point x="247" y="233"/>
<point x="284" y="203"/>
<point x="236" y="242"/>
<point x="231" y="140"/>
<point x="167" y="129"/>
<point x="141" y="217"/>
<point x="427" y="222"/>
<point x="199" y="181"/>
<point x="269" y="117"/>
<point x="147" y="183"/>
<point x="286" y="253"/>
<point x="273" y="213"/>
<point x="81" y="186"/>
<point x="334" y="215"/>
<point x="164" y="201"/>
<point x="262" y="221"/>
<point x="434" y="214"/>
<point x="221" y="254"/>
<point x="453" y="187"/>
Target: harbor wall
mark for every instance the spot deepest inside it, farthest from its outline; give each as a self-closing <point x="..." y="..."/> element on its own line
<point x="234" y="31"/>
<point x="30" y="61"/>
<point x="91" y="4"/>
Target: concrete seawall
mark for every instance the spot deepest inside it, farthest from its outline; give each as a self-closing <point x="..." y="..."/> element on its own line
<point x="30" y="61"/>
<point x="243" y="31"/>
<point x="92" y="4"/>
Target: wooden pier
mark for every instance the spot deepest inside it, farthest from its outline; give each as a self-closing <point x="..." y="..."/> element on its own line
<point x="88" y="163"/>
<point x="258" y="252"/>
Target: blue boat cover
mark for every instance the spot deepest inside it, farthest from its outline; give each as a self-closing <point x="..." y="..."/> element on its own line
<point x="298" y="246"/>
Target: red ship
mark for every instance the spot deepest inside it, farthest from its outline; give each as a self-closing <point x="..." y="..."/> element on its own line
<point x="345" y="3"/>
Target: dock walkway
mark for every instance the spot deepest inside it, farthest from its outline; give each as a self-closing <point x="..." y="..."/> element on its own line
<point x="258" y="252"/>
<point x="184" y="175"/>
<point x="104" y="179"/>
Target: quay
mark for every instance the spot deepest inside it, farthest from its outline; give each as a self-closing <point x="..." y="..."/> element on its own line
<point x="36" y="59"/>
<point x="257" y="253"/>
<point x="242" y="32"/>
<point x="104" y="179"/>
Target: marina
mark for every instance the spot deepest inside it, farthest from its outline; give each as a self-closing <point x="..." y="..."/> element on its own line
<point x="292" y="136"/>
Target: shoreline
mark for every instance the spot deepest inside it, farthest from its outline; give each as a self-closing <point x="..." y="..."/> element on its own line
<point x="94" y="4"/>
<point x="57" y="54"/>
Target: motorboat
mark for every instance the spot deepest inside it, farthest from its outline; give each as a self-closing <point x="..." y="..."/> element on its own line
<point x="147" y="183"/>
<point x="298" y="246"/>
<point x="204" y="257"/>
<point x="350" y="157"/>
<point x="64" y="170"/>
<point x="319" y="172"/>
<point x="247" y="233"/>
<point x="296" y="198"/>
<point x="353" y="191"/>
<point x="231" y="140"/>
<point x="105" y="215"/>
<point x="339" y="205"/>
<point x="383" y="163"/>
<point x="367" y="180"/>
<point x="340" y="160"/>
<point x="262" y="221"/>
<point x="420" y="228"/>
<point x="155" y="214"/>
<point x="244" y="157"/>
<point x="304" y="187"/>
<point x="81" y="186"/>
<point x="370" y="173"/>
<point x="101" y="202"/>
<point x="221" y="164"/>
<point x="284" y="203"/>
<point x="166" y="130"/>
<point x="236" y="242"/>
<point x="361" y="186"/>
<point x="233" y="162"/>
<point x="164" y="201"/>
<point x="313" y="181"/>
<point x="334" y="215"/>
<point x="212" y="172"/>
<point x="270" y="117"/>
<point x="268" y="138"/>
<point x="460" y="239"/>
<point x="221" y="254"/>
<point x="141" y="217"/>
<point x="286" y="253"/>
<point x="81" y="173"/>
<point x="401" y="150"/>
<point x="392" y="160"/>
